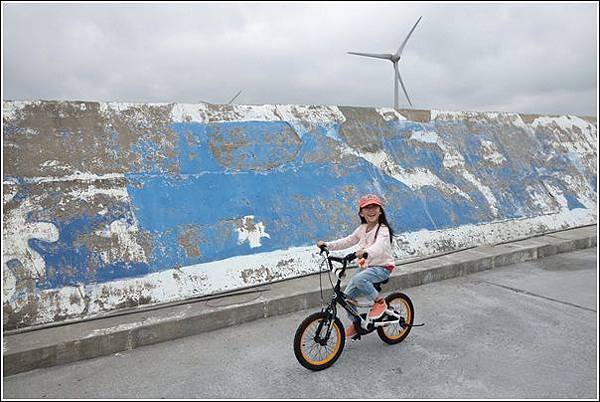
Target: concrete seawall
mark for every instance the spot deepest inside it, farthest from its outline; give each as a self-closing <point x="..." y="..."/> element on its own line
<point x="110" y="205"/>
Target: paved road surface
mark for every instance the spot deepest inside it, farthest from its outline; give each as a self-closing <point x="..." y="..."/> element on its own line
<point x="522" y="331"/>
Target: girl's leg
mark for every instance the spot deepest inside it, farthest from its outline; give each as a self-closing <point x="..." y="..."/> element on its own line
<point x="365" y="284"/>
<point x="352" y="292"/>
<point x="363" y="281"/>
<point x="362" y="284"/>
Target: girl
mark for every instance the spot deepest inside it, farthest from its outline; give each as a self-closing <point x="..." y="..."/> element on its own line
<point x="373" y="236"/>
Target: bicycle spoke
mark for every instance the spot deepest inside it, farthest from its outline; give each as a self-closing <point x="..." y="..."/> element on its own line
<point x="314" y="354"/>
<point x="314" y="349"/>
<point x="396" y="329"/>
<point x="319" y="352"/>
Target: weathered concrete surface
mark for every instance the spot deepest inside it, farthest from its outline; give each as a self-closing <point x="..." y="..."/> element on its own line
<point x="519" y="332"/>
<point x="109" y="206"/>
<point x="83" y="340"/>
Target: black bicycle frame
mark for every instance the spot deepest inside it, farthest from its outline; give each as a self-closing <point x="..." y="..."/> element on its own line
<point x="340" y="297"/>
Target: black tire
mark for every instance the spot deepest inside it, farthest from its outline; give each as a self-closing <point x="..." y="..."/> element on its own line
<point x="309" y="352"/>
<point x="396" y="333"/>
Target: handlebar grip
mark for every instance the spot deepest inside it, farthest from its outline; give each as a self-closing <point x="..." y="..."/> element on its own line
<point x="352" y="256"/>
<point x="323" y="249"/>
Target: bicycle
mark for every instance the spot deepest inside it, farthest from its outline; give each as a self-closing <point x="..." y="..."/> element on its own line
<point x="320" y="338"/>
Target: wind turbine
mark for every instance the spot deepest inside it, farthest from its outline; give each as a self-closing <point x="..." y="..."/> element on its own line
<point x="394" y="58"/>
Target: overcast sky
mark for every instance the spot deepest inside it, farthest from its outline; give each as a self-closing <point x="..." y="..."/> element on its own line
<point x="530" y="58"/>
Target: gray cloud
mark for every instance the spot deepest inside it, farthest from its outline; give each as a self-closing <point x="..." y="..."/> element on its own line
<point x="503" y="57"/>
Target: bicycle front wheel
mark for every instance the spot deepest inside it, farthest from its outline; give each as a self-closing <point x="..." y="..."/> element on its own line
<point x="313" y="349"/>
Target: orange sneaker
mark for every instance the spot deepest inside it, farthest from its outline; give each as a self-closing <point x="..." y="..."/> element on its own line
<point x="351" y="331"/>
<point x="378" y="309"/>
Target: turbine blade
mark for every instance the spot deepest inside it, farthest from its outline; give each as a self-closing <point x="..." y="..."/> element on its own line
<point x="403" y="87"/>
<point x="232" y="99"/>
<point x="401" y="48"/>
<point x="385" y="56"/>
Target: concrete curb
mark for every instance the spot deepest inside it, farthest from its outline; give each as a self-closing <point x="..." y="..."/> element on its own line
<point x="85" y="340"/>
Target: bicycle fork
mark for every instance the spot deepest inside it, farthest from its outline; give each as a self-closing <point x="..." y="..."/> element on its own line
<point x="331" y="314"/>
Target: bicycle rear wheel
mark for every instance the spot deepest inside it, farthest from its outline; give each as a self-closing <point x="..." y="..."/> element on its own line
<point x="311" y="349"/>
<point x="402" y="305"/>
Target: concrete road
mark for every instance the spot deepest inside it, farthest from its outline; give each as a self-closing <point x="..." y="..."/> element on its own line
<point x="522" y="331"/>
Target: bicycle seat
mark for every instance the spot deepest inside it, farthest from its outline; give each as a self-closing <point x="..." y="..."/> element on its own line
<point x="378" y="284"/>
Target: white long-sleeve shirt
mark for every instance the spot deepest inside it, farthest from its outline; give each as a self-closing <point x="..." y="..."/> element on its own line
<point x="380" y="249"/>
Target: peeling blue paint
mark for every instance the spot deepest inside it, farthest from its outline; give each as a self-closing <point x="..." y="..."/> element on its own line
<point x="285" y="180"/>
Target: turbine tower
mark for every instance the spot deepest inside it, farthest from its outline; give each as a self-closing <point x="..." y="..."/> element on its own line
<point x="394" y="58"/>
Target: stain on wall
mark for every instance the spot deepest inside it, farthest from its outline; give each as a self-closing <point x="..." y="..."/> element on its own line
<point x="113" y="205"/>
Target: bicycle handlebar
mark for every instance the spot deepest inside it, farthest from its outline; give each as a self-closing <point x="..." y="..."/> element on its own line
<point x="348" y="258"/>
<point x="345" y="260"/>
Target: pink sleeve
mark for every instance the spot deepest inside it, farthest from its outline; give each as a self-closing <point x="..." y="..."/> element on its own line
<point x="344" y="243"/>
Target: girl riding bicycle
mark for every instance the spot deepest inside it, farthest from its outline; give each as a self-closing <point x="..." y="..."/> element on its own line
<point x="374" y="237"/>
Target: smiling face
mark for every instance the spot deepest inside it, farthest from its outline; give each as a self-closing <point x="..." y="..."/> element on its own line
<point x="371" y="213"/>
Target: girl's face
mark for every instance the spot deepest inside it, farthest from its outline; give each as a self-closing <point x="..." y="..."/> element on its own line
<point x="371" y="213"/>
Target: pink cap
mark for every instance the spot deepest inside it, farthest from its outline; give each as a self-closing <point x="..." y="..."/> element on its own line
<point x="368" y="200"/>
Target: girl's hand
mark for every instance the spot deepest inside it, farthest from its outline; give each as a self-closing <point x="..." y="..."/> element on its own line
<point x="362" y="262"/>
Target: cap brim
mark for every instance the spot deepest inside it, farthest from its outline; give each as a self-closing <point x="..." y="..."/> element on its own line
<point x="371" y="203"/>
